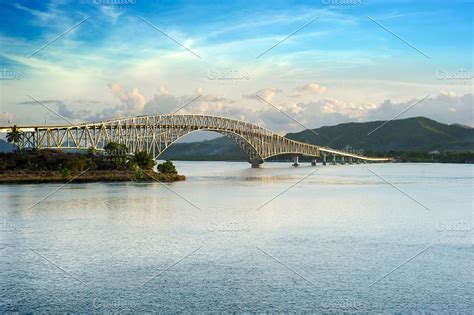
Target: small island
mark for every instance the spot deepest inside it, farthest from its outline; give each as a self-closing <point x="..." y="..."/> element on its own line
<point x="113" y="164"/>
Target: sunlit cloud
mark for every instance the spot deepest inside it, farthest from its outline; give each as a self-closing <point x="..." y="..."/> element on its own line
<point x="341" y="67"/>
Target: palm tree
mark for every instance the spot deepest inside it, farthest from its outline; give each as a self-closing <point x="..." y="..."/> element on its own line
<point x="143" y="160"/>
<point x="14" y="135"/>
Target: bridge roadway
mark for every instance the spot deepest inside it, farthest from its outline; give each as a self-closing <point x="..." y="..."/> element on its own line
<point x="156" y="133"/>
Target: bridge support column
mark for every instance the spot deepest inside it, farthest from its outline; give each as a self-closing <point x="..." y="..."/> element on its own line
<point x="255" y="163"/>
<point x="334" y="159"/>
<point x="350" y="160"/>
<point x="324" y="158"/>
<point x="295" y="161"/>
<point x="313" y="162"/>
<point x="342" y="160"/>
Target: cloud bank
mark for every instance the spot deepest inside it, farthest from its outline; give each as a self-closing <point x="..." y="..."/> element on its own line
<point x="445" y="107"/>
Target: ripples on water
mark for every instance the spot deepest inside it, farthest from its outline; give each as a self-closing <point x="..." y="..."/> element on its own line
<point x="234" y="239"/>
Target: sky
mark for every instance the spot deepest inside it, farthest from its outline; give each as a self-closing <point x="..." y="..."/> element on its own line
<point x="285" y="65"/>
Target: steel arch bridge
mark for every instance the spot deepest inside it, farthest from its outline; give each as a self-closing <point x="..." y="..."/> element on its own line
<point x="156" y="133"/>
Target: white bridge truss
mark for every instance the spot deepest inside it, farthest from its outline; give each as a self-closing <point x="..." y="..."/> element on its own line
<point x="156" y="133"/>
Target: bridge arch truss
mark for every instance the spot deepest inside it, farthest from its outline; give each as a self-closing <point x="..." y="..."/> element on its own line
<point x="156" y="133"/>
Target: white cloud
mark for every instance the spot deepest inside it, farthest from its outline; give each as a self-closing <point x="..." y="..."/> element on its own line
<point x="447" y="96"/>
<point x="267" y="94"/>
<point x="132" y="101"/>
<point x="43" y="16"/>
<point x="313" y="88"/>
<point x="163" y="90"/>
<point x="446" y="107"/>
<point x="165" y="102"/>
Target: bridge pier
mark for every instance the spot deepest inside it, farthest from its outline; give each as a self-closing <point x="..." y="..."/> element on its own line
<point x="324" y="158"/>
<point x="313" y="162"/>
<point x="350" y="160"/>
<point x="255" y="163"/>
<point x="295" y="161"/>
<point x="334" y="159"/>
<point x="342" y="160"/>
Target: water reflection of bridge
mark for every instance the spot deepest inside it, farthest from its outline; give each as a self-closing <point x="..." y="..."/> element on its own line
<point x="156" y="133"/>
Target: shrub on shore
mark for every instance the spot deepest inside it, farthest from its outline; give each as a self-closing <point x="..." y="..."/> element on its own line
<point x="167" y="167"/>
<point x="143" y="160"/>
<point x="70" y="164"/>
<point x="35" y="166"/>
<point x="55" y="160"/>
<point x="65" y="173"/>
<point x="116" y="152"/>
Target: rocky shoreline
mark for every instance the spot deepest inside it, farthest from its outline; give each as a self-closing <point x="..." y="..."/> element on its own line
<point x="33" y="177"/>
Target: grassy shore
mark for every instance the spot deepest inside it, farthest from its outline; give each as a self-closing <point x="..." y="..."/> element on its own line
<point x="32" y="177"/>
<point x="49" y="166"/>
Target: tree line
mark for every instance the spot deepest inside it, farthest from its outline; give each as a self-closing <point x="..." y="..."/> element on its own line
<point x="114" y="156"/>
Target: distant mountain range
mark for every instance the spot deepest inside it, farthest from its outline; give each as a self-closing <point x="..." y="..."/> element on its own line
<point x="6" y="147"/>
<point x="219" y="149"/>
<point x="417" y="134"/>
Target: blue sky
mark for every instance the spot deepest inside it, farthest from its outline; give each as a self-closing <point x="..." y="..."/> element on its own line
<point x="355" y="62"/>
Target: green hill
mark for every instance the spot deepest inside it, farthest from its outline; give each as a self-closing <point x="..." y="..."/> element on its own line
<point x="6" y="147"/>
<point x="417" y="134"/>
<point x="219" y="149"/>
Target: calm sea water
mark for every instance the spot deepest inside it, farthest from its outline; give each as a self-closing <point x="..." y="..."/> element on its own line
<point x="353" y="238"/>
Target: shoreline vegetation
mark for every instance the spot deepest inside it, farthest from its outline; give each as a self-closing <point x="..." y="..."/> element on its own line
<point x="112" y="165"/>
<point x="399" y="157"/>
<point x="427" y="157"/>
<point x="28" y="177"/>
